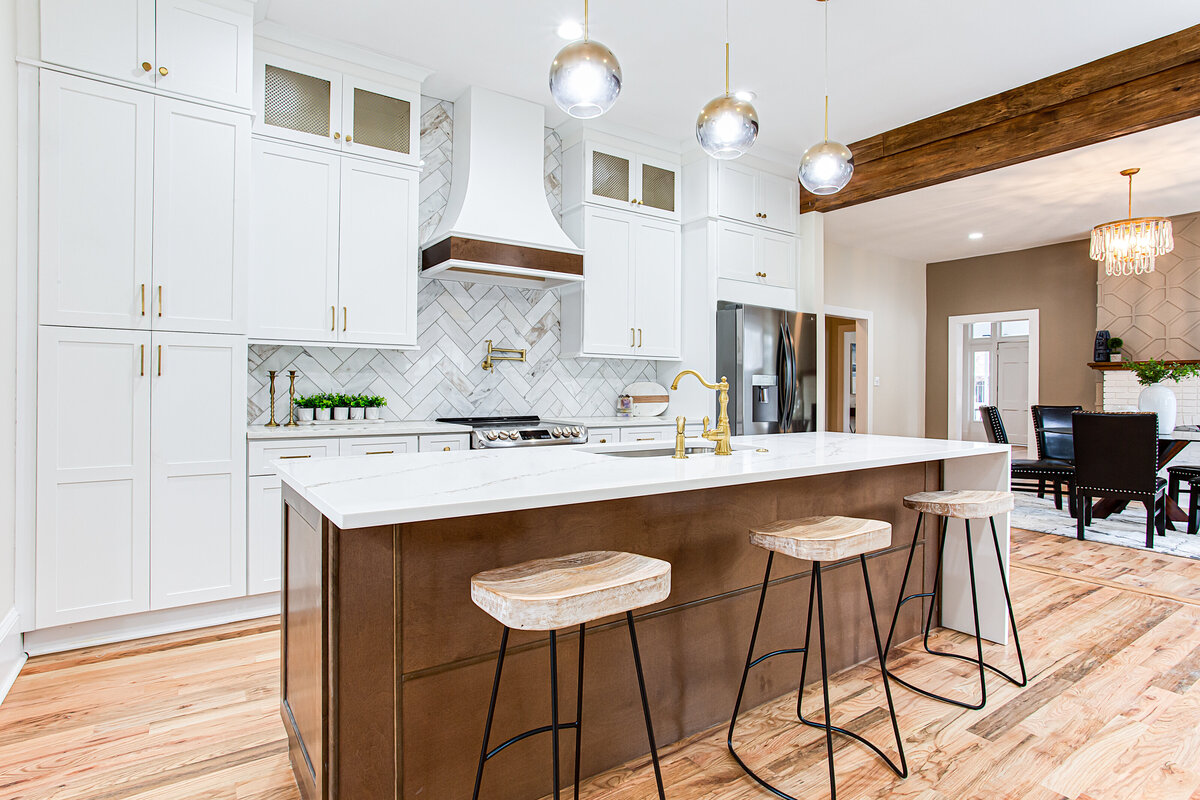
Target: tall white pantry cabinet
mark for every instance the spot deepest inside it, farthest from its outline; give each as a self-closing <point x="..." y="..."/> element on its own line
<point x="142" y="258"/>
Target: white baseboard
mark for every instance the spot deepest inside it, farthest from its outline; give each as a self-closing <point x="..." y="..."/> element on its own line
<point x="12" y="654"/>
<point x="150" y="623"/>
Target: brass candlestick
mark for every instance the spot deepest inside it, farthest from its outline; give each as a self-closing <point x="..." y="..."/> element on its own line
<point x="291" y="423"/>
<point x="273" y="423"/>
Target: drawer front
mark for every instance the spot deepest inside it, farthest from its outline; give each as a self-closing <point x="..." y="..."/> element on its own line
<point x="604" y="435"/>
<point x="378" y="445"/>
<point x="647" y="434"/>
<point x="434" y="443"/>
<point x="262" y="453"/>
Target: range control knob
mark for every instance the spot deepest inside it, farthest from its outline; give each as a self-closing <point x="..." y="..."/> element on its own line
<point x="578" y="431"/>
<point x="558" y="432"/>
<point x="491" y="436"/>
<point x="513" y="435"/>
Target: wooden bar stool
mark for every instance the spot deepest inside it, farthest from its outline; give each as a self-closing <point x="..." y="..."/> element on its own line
<point x="819" y="539"/>
<point x="554" y="593"/>
<point x="966" y="505"/>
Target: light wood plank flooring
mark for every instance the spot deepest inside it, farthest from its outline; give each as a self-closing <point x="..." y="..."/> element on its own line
<point x="1112" y="712"/>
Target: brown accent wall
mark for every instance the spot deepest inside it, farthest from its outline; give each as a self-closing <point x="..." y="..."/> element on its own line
<point x="1059" y="280"/>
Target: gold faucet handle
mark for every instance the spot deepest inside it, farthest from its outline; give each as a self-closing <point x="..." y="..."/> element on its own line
<point x="705" y="421"/>
<point x="679" y="423"/>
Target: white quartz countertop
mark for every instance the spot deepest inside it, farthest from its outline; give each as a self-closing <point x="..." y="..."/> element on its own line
<point x="355" y="428"/>
<point x="357" y="492"/>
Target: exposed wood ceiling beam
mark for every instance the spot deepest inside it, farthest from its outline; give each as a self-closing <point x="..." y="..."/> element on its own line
<point x="1143" y="87"/>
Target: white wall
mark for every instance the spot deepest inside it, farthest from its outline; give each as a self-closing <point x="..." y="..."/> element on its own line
<point x="8" y="291"/>
<point x="894" y="291"/>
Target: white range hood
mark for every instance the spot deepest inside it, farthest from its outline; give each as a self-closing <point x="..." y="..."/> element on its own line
<point x="498" y="227"/>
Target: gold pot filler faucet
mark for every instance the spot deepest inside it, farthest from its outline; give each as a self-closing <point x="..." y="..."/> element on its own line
<point x="719" y="434"/>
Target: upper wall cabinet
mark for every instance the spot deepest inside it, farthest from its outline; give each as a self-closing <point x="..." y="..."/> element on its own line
<point x="758" y="198"/>
<point x="143" y="210"/>
<point x="197" y="48"/>
<point x="317" y="106"/>
<point x="627" y="177"/>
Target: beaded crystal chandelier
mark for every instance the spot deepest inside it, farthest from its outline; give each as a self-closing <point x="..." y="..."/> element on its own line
<point x="1129" y="246"/>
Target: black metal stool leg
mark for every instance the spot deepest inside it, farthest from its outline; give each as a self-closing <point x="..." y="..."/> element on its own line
<point x="1012" y="616"/>
<point x="902" y="771"/>
<point x="579" y="713"/>
<point x="900" y="600"/>
<point x="825" y="680"/>
<point x="637" y="663"/>
<point x="975" y="617"/>
<point x="554" y="705"/>
<point x="487" y="728"/>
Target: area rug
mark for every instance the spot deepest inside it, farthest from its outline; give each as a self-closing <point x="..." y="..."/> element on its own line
<point x="1127" y="529"/>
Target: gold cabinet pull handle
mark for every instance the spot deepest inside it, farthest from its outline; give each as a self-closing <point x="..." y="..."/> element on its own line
<point x="160" y="299"/>
<point x="160" y="361"/>
<point x="345" y="318"/>
<point x="632" y="339"/>
<point x="445" y="449"/>
<point x="333" y="318"/>
<point x="603" y="440"/>
<point x="162" y="71"/>
<point x="147" y="66"/>
<point x="142" y="360"/>
<point x="383" y="452"/>
<point x="143" y="299"/>
<point x="337" y="135"/>
<point x="647" y="439"/>
<point x="639" y="337"/>
<point x="304" y="456"/>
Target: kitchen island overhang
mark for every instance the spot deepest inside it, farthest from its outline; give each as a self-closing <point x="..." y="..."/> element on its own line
<point x="387" y="664"/>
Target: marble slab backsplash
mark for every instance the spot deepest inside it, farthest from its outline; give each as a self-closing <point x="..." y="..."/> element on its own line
<point x="443" y="377"/>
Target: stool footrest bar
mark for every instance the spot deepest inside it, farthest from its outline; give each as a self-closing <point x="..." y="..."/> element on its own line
<point x="532" y="732"/>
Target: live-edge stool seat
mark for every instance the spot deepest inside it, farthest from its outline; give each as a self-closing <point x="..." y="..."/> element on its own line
<point x="563" y="592"/>
<point x="822" y="538"/>
<point x="961" y="503"/>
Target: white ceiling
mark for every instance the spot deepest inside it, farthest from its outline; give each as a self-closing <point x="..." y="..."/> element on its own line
<point x="892" y="62"/>
<point x="1058" y="198"/>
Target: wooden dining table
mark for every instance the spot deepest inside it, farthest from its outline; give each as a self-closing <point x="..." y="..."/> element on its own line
<point x="1170" y="445"/>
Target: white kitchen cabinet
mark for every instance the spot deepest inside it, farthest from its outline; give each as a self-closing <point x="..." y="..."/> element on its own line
<point x="377" y="257"/>
<point x="93" y="474"/>
<point x="143" y="207"/>
<point x="629" y="303"/>
<point x="334" y="249"/>
<point x="629" y="178"/>
<point x="314" y="105"/>
<point x="604" y="435"/>
<point x="198" y="469"/>
<point x="648" y="434"/>
<point x="754" y="255"/>
<point x="262" y="453"/>
<point x="201" y="206"/>
<point x="377" y="445"/>
<point x="264" y="534"/>
<point x="750" y="195"/>
<point x="96" y="194"/>
<point x="196" y="48"/>
<point x="436" y="442"/>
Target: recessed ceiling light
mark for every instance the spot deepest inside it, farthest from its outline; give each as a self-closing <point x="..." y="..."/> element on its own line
<point x="974" y="235"/>
<point x="570" y="30"/>
<point x="745" y="96"/>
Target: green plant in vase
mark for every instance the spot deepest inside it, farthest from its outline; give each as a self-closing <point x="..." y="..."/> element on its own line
<point x="1114" y="348"/>
<point x="306" y="408"/>
<point x="374" y="403"/>
<point x="358" y="406"/>
<point x="341" y="407"/>
<point x="322" y="407"/>
<point x="1157" y="397"/>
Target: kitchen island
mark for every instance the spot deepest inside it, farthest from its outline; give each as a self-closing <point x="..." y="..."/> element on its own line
<point x="387" y="664"/>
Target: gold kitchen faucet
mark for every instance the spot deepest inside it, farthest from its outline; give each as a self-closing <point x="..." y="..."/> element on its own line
<point x="721" y="433"/>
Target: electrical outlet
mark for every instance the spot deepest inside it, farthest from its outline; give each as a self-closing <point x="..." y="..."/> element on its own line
<point x="876" y="380"/>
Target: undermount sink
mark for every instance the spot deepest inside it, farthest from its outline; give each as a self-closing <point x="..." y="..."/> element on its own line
<point x="654" y="452"/>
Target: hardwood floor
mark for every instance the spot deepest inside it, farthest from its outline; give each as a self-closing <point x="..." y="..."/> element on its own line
<point x="1112" y="712"/>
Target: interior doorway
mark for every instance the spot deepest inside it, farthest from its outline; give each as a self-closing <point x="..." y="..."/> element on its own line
<point x="846" y="352"/>
<point x="993" y="361"/>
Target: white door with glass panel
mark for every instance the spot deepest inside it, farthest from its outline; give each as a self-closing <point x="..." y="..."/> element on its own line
<point x="996" y="371"/>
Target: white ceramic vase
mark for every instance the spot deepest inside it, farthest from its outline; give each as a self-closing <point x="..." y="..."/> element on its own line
<point x="1161" y="400"/>
<point x="304" y="415"/>
<point x="356" y="412"/>
<point x="372" y="412"/>
<point x="341" y="412"/>
<point x="321" y="414"/>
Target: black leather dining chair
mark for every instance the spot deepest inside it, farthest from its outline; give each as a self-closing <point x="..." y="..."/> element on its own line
<point x="1031" y="475"/>
<point x="1178" y="477"/>
<point x="1052" y="428"/>
<point x="1116" y="455"/>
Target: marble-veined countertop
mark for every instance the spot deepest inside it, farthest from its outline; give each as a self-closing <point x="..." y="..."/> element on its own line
<point x="356" y="492"/>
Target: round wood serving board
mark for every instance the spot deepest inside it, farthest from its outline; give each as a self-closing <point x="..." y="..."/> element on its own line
<point x="649" y="398"/>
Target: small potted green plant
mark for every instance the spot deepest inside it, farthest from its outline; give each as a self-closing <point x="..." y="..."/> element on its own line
<point x="358" y="406"/>
<point x="1114" y="348"/>
<point x="341" y="407"/>
<point x="322" y="407"/>
<point x="305" y="407"/>
<point x="374" y="403"/>
<point x="1158" y="397"/>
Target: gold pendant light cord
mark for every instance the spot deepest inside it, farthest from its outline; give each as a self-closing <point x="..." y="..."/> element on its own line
<point x="726" y="48"/>
<point x="826" y="4"/>
<point x="585" y="20"/>
<point x="1131" y="196"/>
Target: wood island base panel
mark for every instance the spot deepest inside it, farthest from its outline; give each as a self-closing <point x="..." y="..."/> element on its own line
<point x="387" y="664"/>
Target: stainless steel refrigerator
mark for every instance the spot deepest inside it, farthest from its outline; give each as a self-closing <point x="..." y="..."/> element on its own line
<point x="770" y="359"/>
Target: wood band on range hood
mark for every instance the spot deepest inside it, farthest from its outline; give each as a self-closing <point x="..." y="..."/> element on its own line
<point x="492" y="258"/>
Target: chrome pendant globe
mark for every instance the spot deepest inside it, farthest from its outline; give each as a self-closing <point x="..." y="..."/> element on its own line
<point x="727" y="127"/>
<point x="826" y="167"/>
<point x="585" y="79"/>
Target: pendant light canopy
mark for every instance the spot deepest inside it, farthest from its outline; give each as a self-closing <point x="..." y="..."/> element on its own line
<point x="827" y="166"/>
<point x="1129" y="246"/>
<point x="585" y="78"/>
<point x="727" y="125"/>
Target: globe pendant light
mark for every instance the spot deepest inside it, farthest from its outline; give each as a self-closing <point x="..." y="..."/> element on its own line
<point x="727" y="125"/>
<point x="585" y="78"/>
<point x="826" y="167"/>
<point x="1129" y="246"/>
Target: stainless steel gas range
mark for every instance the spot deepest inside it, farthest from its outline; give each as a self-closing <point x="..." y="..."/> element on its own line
<point x="489" y="432"/>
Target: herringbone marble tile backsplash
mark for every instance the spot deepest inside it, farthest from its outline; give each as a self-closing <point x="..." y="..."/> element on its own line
<point x="443" y="377"/>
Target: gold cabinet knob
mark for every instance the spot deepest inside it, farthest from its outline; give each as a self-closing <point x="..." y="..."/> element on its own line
<point x="337" y="135"/>
<point x="349" y="138"/>
<point x="162" y="71"/>
<point x="147" y="66"/>
<point x="445" y="449"/>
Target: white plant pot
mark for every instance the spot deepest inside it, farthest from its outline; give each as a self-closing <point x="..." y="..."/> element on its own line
<point x="356" y="412"/>
<point x="322" y="414"/>
<point x="372" y="412"/>
<point x="1115" y="357"/>
<point x="341" y="412"/>
<point x="1161" y="400"/>
<point x="304" y="415"/>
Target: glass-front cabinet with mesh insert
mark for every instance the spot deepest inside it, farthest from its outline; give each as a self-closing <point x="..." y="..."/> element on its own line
<point x="313" y="105"/>
<point x="625" y="178"/>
